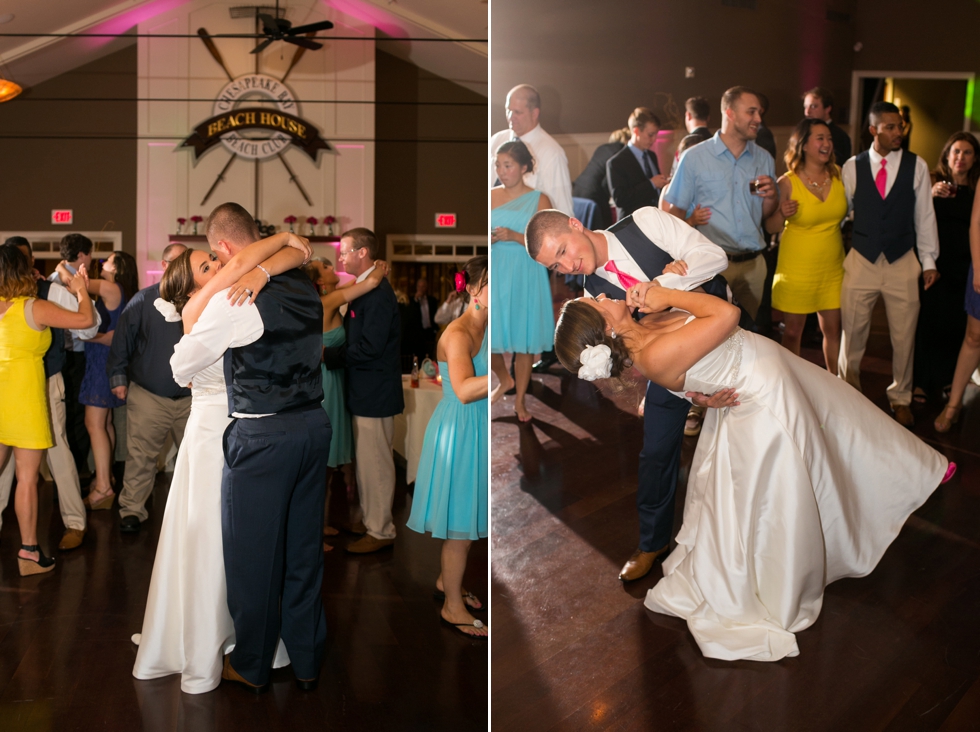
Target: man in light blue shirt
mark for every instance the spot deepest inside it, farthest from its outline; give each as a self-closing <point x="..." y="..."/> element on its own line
<point x="731" y="177"/>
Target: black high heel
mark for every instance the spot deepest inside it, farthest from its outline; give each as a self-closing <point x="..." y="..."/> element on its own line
<point x="30" y="566"/>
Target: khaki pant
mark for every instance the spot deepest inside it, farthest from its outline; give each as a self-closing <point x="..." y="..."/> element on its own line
<point x="747" y="281"/>
<point x="60" y="462"/>
<point x="149" y="420"/>
<point x="373" y="437"/>
<point x="898" y="284"/>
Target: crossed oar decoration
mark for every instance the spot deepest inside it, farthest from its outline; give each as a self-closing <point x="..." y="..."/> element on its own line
<point x="216" y="55"/>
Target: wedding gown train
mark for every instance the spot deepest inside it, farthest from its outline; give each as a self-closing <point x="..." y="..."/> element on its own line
<point x="803" y="483"/>
<point x="187" y="628"/>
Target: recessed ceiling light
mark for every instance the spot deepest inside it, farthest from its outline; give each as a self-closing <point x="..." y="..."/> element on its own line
<point x="6" y="18"/>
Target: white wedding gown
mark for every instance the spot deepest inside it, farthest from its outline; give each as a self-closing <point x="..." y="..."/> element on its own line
<point x="803" y="483"/>
<point x="187" y="627"/>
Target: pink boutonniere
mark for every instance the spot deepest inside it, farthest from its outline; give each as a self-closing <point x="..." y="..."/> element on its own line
<point x="353" y="314"/>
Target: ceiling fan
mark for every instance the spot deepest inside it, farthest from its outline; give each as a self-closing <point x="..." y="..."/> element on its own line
<point x="280" y="29"/>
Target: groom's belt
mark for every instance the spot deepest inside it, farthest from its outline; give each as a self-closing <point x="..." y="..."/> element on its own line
<point x="743" y="256"/>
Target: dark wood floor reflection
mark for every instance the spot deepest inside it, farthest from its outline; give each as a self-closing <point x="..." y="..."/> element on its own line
<point x="66" y="658"/>
<point x="575" y="649"/>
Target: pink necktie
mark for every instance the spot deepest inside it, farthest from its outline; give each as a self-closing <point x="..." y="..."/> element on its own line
<point x="624" y="279"/>
<point x="881" y="178"/>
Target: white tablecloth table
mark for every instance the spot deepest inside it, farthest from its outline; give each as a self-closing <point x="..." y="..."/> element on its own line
<point x="410" y="425"/>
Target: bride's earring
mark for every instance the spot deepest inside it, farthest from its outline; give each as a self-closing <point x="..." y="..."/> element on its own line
<point x="612" y="333"/>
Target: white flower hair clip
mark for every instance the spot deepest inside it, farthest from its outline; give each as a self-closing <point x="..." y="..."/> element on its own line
<point x="596" y="363"/>
<point x="167" y="309"/>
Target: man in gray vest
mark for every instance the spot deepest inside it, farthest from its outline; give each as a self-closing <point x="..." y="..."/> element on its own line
<point x="890" y="192"/>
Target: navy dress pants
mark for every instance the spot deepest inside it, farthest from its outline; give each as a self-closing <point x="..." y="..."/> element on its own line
<point x="272" y="494"/>
<point x="663" y="432"/>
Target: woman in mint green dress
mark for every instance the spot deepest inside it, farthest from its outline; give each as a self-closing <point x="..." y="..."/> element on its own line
<point x="524" y="320"/>
<point x="451" y="492"/>
<point x="322" y="273"/>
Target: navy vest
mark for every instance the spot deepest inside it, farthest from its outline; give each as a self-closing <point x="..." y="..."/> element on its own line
<point x="280" y="372"/>
<point x="650" y="258"/>
<point x="884" y="226"/>
<point x="54" y="357"/>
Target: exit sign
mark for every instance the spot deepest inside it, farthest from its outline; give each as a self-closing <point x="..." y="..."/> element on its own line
<point x="61" y="216"/>
<point x="445" y="221"/>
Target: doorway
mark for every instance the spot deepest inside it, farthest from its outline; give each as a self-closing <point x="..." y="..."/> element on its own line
<point x="937" y="104"/>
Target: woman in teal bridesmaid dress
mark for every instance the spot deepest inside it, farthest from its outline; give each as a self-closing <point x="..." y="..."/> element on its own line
<point x="322" y="273"/>
<point x="524" y="321"/>
<point x="451" y="493"/>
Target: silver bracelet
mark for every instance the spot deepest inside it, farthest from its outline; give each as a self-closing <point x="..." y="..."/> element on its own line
<point x="268" y="277"/>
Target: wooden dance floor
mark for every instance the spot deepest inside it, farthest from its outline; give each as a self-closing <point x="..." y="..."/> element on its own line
<point x="66" y="657"/>
<point x="575" y="649"/>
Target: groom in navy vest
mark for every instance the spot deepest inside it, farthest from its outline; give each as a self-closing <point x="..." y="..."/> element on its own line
<point x="276" y="448"/>
<point x="648" y="246"/>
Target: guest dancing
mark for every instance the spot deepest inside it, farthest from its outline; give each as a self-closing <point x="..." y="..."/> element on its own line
<point x="525" y="321"/>
<point x="187" y="626"/>
<point x="810" y="268"/>
<point x="942" y="319"/>
<point x="801" y="483"/>
<point x="451" y="496"/>
<point x="24" y="421"/>
<point x="323" y="276"/>
<point x="116" y="285"/>
<point x="969" y="356"/>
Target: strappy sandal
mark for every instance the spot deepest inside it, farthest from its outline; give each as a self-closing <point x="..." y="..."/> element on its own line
<point x="99" y="504"/>
<point x="945" y="421"/>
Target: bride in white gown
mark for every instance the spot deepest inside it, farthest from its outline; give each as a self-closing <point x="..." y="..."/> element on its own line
<point x="187" y="627"/>
<point x="804" y="481"/>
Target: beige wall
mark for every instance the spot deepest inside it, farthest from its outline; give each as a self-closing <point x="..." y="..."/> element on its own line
<point x="95" y="178"/>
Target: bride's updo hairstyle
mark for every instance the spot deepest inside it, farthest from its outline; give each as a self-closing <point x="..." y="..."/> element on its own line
<point x="581" y="325"/>
<point x="178" y="283"/>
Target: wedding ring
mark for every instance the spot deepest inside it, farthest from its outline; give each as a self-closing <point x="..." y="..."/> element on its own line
<point x="248" y="292"/>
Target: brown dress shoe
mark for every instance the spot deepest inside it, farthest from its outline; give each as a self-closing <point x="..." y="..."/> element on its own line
<point x="640" y="564"/>
<point x="903" y="415"/>
<point x="230" y="674"/>
<point x="368" y="544"/>
<point x="72" y="539"/>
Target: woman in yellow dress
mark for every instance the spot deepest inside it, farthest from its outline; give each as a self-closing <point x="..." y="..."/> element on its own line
<point x="24" y="426"/>
<point x="810" y="268"/>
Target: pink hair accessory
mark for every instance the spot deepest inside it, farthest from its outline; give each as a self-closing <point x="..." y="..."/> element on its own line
<point x="460" y="281"/>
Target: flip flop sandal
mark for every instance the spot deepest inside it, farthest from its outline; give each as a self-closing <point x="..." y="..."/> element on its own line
<point x="458" y="627"/>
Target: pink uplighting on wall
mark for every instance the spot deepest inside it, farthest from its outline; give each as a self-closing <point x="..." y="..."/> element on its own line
<point x="124" y="21"/>
<point x="368" y="13"/>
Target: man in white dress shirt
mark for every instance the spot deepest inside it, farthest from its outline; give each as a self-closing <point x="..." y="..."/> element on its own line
<point x="550" y="175"/>
<point x="891" y="195"/>
<point x="650" y="245"/>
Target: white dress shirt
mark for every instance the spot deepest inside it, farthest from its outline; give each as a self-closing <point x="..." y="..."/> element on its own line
<point x="74" y="339"/>
<point x="220" y="327"/>
<point x="550" y="175"/>
<point x="926" y="234"/>
<point x="704" y="259"/>
<point x="60" y="295"/>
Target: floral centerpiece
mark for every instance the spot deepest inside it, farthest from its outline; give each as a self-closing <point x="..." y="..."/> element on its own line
<point x="290" y="220"/>
<point x="312" y="221"/>
<point x="180" y="225"/>
<point x="196" y="220"/>
<point x="330" y="221"/>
